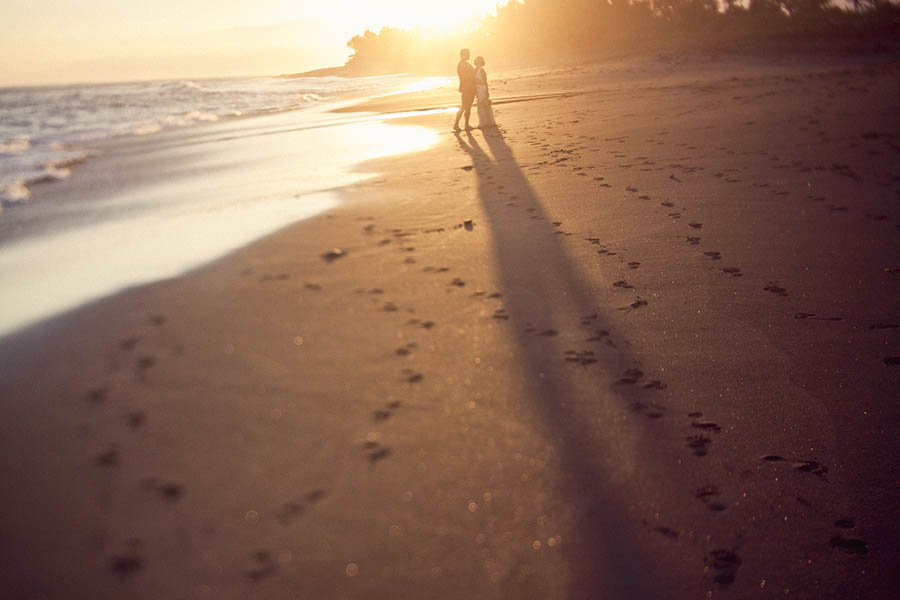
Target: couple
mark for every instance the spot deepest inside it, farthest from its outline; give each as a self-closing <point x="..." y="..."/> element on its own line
<point x="473" y="82"/>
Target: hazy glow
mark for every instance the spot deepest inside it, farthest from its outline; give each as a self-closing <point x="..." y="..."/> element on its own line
<point x="48" y="41"/>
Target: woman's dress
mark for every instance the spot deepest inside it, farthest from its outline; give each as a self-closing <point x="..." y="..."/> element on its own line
<point x="485" y="112"/>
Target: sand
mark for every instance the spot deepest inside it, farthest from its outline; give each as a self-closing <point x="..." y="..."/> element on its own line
<point x="642" y="342"/>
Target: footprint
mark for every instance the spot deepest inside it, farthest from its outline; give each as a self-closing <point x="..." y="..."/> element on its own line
<point x="623" y="284"/>
<point x="698" y="444"/>
<point x="892" y="361"/>
<point x="706" y="425"/>
<point x="376" y="451"/>
<point x="693" y="240"/>
<point x="260" y="566"/>
<point x="845" y="523"/>
<point x="713" y="254"/>
<point x="126" y="565"/>
<point x="651" y="411"/>
<point x="804" y="466"/>
<point x="297" y="508"/>
<point x="584" y="358"/>
<point x="97" y="396"/>
<point x="655" y="385"/>
<point x="135" y="419"/>
<point x="811" y="466"/>
<point x="588" y="319"/>
<point x="599" y="334"/>
<point x="458" y="282"/>
<point x="129" y="344"/>
<point x="634" y="265"/>
<point x="776" y="289"/>
<point x="387" y="412"/>
<point x="875" y="326"/>
<point x="803" y="316"/>
<point x="406" y="350"/>
<point x="668" y="532"/>
<point x="849" y="545"/>
<point x="706" y="492"/>
<point x="333" y="254"/>
<point x="501" y="314"/>
<point x="733" y="271"/>
<point x="640" y="302"/>
<point x="630" y="377"/>
<point x="412" y="376"/>
<point x="108" y="458"/>
<point x="695" y="225"/>
<point x="143" y="363"/>
<point x="667" y="204"/>
<point x="549" y="333"/>
<point x="725" y="564"/>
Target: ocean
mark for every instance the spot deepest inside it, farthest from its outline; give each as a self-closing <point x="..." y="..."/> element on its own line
<point x="46" y="130"/>
<point x="145" y="181"/>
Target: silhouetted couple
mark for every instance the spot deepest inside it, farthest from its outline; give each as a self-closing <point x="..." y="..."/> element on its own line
<point x="473" y="84"/>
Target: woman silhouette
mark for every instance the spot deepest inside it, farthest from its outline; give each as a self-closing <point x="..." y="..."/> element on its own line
<point x="482" y="93"/>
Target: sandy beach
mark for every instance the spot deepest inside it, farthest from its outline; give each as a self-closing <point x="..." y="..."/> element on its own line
<point x="641" y="342"/>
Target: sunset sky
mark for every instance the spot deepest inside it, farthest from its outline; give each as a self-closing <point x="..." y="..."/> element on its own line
<point x="64" y="41"/>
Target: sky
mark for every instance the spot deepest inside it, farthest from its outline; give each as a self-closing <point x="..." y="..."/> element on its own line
<point x="70" y="41"/>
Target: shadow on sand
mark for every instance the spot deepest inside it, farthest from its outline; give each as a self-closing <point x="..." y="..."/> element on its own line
<point x="574" y="403"/>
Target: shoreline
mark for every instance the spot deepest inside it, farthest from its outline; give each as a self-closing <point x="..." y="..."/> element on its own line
<point x="654" y="365"/>
<point x="223" y="187"/>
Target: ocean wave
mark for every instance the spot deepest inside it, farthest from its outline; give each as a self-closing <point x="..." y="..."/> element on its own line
<point x="43" y="128"/>
<point x="44" y="163"/>
<point x="16" y="146"/>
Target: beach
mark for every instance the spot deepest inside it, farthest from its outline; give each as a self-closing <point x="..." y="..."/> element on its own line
<point x="641" y="342"/>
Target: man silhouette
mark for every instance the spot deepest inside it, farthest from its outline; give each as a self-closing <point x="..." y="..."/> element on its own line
<point x="466" y="88"/>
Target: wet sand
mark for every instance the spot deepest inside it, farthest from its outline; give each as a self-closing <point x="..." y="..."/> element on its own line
<point x="642" y="342"/>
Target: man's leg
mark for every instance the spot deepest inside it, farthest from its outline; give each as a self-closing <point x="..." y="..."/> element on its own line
<point x="459" y="113"/>
<point x="468" y="99"/>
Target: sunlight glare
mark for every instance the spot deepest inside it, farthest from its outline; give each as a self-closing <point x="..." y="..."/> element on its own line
<point x="437" y="15"/>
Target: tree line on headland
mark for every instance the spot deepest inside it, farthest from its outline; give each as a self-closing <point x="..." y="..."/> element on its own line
<point x="527" y="30"/>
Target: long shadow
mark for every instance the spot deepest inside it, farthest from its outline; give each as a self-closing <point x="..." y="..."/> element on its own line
<point x="542" y="293"/>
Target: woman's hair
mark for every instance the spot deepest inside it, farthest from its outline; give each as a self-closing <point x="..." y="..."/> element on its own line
<point x="479" y="61"/>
